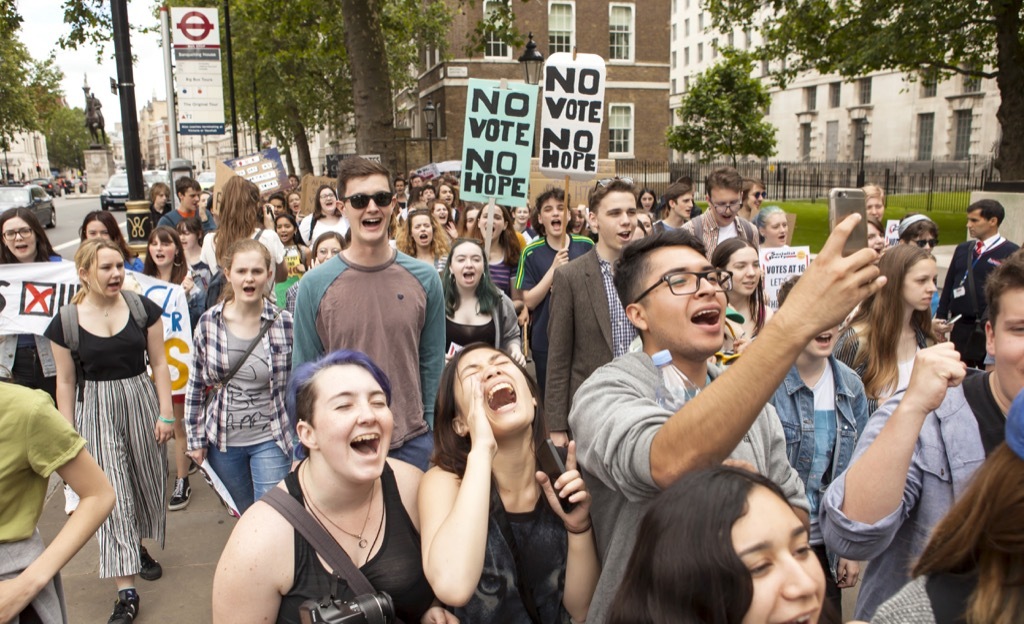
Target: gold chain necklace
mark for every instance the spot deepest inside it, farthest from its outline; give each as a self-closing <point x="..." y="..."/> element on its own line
<point x="362" y="541"/>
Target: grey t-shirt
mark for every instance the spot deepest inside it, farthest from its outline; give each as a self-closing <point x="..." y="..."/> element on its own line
<point x="250" y="406"/>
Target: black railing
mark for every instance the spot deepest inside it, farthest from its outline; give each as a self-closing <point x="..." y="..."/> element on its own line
<point x="942" y="186"/>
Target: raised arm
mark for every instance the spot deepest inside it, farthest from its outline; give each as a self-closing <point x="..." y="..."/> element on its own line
<point x="707" y="429"/>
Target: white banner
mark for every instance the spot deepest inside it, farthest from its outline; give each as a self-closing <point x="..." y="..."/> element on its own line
<point x="197" y="76"/>
<point x="32" y="293"/>
<point x="779" y="264"/>
<point x="573" y="109"/>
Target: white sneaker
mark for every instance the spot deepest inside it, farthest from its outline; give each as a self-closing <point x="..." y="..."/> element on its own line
<point x="71" y="500"/>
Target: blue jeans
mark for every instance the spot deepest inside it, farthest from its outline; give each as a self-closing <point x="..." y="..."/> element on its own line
<point x="416" y="451"/>
<point x="248" y="472"/>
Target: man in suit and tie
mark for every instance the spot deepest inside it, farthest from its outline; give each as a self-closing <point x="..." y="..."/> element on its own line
<point x="963" y="293"/>
<point x="588" y="326"/>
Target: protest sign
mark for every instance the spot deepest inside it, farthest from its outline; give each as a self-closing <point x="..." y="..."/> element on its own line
<point x="498" y="142"/>
<point x="573" y="110"/>
<point x="892" y="232"/>
<point x="264" y="169"/>
<point x="779" y="264"/>
<point x="31" y="294"/>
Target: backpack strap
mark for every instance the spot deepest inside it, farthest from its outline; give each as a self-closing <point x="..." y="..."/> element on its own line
<point x="69" y="324"/>
<point x="137" y="309"/>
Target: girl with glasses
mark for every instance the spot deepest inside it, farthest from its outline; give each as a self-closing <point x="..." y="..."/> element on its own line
<point x="326" y="217"/>
<point x="324" y="248"/>
<point x="28" y="357"/>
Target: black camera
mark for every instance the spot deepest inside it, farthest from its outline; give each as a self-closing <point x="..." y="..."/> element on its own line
<point x="366" y="609"/>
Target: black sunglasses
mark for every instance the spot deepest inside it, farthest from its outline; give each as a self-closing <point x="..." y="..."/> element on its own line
<point x="927" y="242"/>
<point x="362" y="200"/>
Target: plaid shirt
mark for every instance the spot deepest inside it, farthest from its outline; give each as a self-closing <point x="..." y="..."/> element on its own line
<point x="704" y="227"/>
<point x="623" y="331"/>
<point x="210" y="365"/>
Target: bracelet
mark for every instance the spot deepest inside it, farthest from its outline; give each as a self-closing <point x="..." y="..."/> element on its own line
<point x="167" y="421"/>
<point x="590" y="525"/>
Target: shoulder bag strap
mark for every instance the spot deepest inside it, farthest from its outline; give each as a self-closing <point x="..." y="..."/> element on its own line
<point x="69" y="325"/>
<point x="525" y="591"/>
<point x="319" y="539"/>
<point x="137" y="308"/>
<point x="248" y="350"/>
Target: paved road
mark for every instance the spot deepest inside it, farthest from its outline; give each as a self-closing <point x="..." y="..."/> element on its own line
<point x="70" y="213"/>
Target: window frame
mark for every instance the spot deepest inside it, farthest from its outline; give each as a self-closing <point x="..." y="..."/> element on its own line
<point x="921" y="117"/>
<point x="488" y="42"/>
<point x="571" y="4"/>
<point x="631" y="47"/>
<point x="631" y="140"/>
<point x="962" y="151"/>
<point x="864" y="88"/>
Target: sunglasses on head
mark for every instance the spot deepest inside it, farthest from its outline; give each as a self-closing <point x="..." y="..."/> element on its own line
<point x="607" y="181"/>
<point x="927" y="242"/>
<point x="362" y="200"/>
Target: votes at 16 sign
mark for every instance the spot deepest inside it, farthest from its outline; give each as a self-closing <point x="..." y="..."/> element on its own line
<point x="570" y="138"/>
<point x="498" y="142"/>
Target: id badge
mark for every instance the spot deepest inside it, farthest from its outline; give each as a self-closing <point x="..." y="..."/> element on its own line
<point x="959" y="291"/>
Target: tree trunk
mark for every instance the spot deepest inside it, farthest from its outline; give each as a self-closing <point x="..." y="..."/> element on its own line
<point x="1010" y="61"/>
<point x="301" y="145"/>
<point x="371" y="80"/>
<point x="289" y="161"/>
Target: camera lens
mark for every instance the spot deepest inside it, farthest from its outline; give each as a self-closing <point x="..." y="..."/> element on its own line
<point x="377" y="608"/>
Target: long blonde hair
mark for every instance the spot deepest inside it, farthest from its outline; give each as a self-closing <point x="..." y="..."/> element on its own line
<point x="239" y="215"/>
<point x="243" y="245"/>
<point x="85" y="260"/>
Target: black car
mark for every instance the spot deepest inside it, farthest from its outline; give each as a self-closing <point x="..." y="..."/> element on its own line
<point x="115" y="192"/>
<point x="31" y="197"/>
<point x="47" y="185"/>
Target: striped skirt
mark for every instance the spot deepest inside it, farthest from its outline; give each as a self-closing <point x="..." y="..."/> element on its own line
<point x="117" y="418"/>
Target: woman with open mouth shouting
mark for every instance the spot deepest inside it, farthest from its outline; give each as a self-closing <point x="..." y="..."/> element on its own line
<point x="341" y="404"/>
<point x="498" y="543"/>
<point x="423" y="238"/>
<point x="234" y="402"/>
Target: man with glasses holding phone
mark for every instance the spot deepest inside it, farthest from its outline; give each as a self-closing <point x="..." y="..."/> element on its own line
<point x="384" y="303"/>
<point x="630" y="448"/>
<point x="721" y="221"/>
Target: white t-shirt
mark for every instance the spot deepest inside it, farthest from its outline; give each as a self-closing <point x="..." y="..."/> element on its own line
<point x="341" y="227"/>
<point x="727" y="232"/>
<point x="268" y="238"/>
<point x="825" y="391"/>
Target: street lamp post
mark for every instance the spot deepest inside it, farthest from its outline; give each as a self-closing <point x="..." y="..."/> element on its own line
<point x="861" y="138"/>
<point x="532" y="61"/>
<point x="430" y="117"/>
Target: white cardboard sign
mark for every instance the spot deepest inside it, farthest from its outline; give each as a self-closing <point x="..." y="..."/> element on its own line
<point x="572" y="114"/>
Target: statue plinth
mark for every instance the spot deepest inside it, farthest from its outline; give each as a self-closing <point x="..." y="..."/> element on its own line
<point x="99" y="166"/>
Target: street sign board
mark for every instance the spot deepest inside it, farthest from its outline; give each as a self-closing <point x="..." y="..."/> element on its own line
<point x="197" y="77"/>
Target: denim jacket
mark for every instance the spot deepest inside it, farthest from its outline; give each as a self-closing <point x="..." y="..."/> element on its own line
<point x="9" y="348"/>
<point x="794" y="402"/>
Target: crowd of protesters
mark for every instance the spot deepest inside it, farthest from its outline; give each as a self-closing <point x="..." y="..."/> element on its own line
<point x="529" y="413"/>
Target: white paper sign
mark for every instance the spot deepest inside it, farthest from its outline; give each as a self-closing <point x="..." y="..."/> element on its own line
<point x="892" y="232"/>
<point x="779" y="264"/>
<point x="571" y="117"/>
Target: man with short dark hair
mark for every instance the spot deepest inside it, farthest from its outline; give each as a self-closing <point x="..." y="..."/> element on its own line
<point x="587" y="325"/>
<point x="400" y="196"/>
<point x="721" y="221"/>
<point x="963" y="293"/>
<point x="631" y="448"/>
<point x="679" y="204"/>
<point x="384" y="303"/>
<point x="188" y="191"/>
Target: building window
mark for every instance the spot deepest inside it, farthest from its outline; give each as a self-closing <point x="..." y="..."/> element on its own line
<point x="864" y="90"/>
<point x="732" y="39"/>
<point x="686" y="84"/>
<point x="714" y="48"/>
<point x="764" y="67"/>
<point x="686" y="27"/>
<point x="673" y="32"/>
<point x="673" y="59"/>
<point x="673" y="85"/>
<point x="620" y="32"/>
<point x="929" y="87"/>
<point x="686" y="56"/>
<point x="674" y="7"/>
<point x="700" y="21"/>
<point x="925" y="135"/>
<point x="972" y="84"/>
<point x="493" y="47"/>
<point x="860" y="138"/>
<point x="747" y="38"/>
<point x="620" y="129"/>
<point x="834" y="93"/>
<point x="700" y="52"/>
<point x="962" y="142"/>
<point x="805" y="141"/>
<point x="560" y="27"/>
<point x="810" y="98"/>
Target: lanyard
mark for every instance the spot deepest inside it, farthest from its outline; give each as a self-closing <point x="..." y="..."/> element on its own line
<point x="984" y="248"/>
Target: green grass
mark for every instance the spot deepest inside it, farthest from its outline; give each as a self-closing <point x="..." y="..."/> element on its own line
<point x="812" y="219"/>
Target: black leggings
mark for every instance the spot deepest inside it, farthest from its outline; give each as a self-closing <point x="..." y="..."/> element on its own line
<point x="833" y="595"/>
<point x="28" y="371"/>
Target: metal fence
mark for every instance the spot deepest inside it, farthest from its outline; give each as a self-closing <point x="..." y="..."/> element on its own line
<point x="942" y="186"/>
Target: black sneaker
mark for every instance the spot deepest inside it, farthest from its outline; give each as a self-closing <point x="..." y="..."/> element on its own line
<point x="181" y="496"/>
<point x="151" y="569"/>
<point x="192" y="467"/>
<point x="126" y="609"/>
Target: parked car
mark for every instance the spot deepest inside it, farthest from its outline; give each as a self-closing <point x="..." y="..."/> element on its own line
<point x="34" y="198"/>
<point x="157" y="175"/>
<point x="47" y="185"/>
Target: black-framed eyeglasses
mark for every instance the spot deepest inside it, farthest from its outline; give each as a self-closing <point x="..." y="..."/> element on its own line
<point x="362" y="200"/>
<point x="607" y="181"/>
<point x="688" y="282"/>
<point x="926" y="242"/>
<point x="22" y="232"/>
<point x="732" y="206"/>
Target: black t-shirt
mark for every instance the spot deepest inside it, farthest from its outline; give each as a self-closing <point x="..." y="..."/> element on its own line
<point x="120" y="356"/>
<point x="991" y="421"/>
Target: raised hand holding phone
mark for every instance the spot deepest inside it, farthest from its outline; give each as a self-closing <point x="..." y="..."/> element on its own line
<point x="572" y="501"/>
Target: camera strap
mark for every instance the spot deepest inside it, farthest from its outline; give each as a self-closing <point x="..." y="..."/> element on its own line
<point x="318" y="537"/>
<point x="525" y="591"/>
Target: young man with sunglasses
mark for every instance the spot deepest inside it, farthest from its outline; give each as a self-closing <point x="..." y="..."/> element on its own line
<point x="630" y="448"/>
<point x="384" y="303"/>
<point x="721" y="221"/>
<point x="965" y="298"/>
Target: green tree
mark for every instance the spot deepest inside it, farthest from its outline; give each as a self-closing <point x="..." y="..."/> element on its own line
<point x="16" y="111"/>
<point x="723" y="113"/>
<point x="936" y="38"/>
<point x="67" y="138"/>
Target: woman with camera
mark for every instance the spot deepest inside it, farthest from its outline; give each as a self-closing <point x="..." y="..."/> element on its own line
<point x="364" y="501"/>
<point x="241" y="216"/>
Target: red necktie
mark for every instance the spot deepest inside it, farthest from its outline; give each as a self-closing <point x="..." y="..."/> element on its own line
<point x="978" y="248"/>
